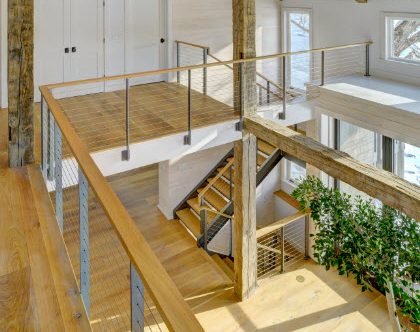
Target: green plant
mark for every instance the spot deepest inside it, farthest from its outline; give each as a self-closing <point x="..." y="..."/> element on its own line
<point x="374" y="244"/>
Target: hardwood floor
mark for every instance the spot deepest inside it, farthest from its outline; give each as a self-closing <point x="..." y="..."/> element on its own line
<point x="307" y="298"/>
<point x="156" y="110"/>
<point x="38" y="290"/>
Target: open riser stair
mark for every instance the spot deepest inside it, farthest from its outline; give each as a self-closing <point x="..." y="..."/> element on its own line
<point x="214" y="196"/>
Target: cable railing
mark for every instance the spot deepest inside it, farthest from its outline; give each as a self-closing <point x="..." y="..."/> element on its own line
<point x="122" y="283"/>
<point x="202" y="91"/>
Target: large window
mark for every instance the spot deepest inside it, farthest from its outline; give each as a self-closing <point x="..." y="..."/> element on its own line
<point x="403" y="37"/>
<point x="408" y="162"/>
<point x="297" y="37"/>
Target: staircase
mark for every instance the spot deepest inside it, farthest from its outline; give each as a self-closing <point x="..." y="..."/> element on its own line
<point x="206" y="211"/>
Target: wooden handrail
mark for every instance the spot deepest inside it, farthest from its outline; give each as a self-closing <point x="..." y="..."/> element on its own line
<point x="174" y="310"/>
<point x="208" y="65"/>
<point x="212" y="182"/>
<point x="261" y="76"/>
<point x="280" y="224"/>
<point x="193" y="45"/>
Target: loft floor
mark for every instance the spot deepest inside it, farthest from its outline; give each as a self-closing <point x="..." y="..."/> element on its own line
<point x="307" y="298"/>
<point x="38" y="290"/>
<point x="156" y="110"/>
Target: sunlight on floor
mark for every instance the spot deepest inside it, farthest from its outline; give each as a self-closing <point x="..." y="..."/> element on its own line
<point x="307" y="299"/>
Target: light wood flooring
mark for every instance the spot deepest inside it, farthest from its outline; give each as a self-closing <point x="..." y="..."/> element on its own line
<point x="307" y="298"/>
<point x="38" y="290"/>
<point x="156" y="110"/>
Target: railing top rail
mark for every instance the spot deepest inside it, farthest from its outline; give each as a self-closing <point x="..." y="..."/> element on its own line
<point x="281" y="223"/>
<point x="208" y="65"/>
<point x="172" y="307"/>
<point x="192" y="44"/>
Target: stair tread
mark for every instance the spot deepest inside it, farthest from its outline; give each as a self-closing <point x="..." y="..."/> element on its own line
<point x="223" y="266"/>
<point x="221" y="185"/>
<point x="265" y="147"/>
<point x="229" y="263"/>
<point x="190" y="221"/>
<point x="260" y="159"/>
<point x="214" y="199"/>
<point x="226" y="175"/>
<point x="193" y="203"/>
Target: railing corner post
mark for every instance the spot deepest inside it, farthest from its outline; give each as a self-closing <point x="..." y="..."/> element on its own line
<point x="205" y="60"/>
<point x="137" y="300"/>
<point x="187" y="138"/>
<point x="239" y="126"/>
<point x="282" y="115"/>
<point x="178" y="62"/>
<point x="125" y="154"/>
<point x="367" y="73"/>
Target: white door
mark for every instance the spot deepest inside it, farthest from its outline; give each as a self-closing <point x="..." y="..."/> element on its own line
<point x="85" y="40"/>
<point x="49" y="43"/>
<point x="144" y="28"/>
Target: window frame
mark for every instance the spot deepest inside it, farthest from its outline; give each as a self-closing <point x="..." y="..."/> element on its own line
<point x="387" y="18"/>
<point x="286" y="37"/>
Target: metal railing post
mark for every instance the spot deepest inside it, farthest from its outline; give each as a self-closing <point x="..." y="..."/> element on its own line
<point x="205" y="56"/>
<point x="260" y="95"/>
<point x="282" y="115"/>
<point x="137" y="300"/>
<point x="58" y="172"/>
<point x="51" y="138"/>
<point x="178" y="62"/>
<point x="125" y="155"/>
<point x="307" y="237"/>
<point x="367" y="73"/>
<point x="322" y="68"/>
<point x="268" y="92"/>
<point x="239" y="125"/>
<point x="44" y="137"/>
<point x="203" y="226"/>
<point x="282" y="255"/>
<point x="187" y="138"/>
<point x="84" y="240"/>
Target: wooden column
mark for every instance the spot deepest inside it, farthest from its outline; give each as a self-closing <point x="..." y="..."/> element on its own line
<point x="244" y="47"/>
<point x="245" y="222"/>
<point x="245" y="100"/>
<point x="20" y="82"/>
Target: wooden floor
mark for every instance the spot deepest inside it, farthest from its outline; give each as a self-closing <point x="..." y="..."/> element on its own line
<point x="308" y="298"/>
<point x="156" y="110"/>
<point x="38" y="290"/>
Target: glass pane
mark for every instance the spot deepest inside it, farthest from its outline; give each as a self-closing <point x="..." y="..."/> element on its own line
<point x="299" y="24"/>
<point x="295" y="172"/>
<point x="411" y="164"/>
<point x="406" y="39"/>
<point x="361" y="144"/>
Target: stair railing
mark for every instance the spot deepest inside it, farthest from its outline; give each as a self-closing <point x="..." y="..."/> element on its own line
<point x="204" y="209"/>
<point x="267" y="87"/>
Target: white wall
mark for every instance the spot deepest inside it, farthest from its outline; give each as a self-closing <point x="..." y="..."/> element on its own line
<point x="338" y="22"/>
<point x="179" y="176"/>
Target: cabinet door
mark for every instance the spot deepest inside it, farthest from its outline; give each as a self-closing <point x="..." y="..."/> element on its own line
<point x="143" y="19"/>
<point x="49" y="43"/>
<point x="86" y="40"/>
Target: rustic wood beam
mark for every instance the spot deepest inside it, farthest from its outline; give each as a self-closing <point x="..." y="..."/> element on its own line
<point x="385" y="186"/>
<point x="245" y="225"/>
<point x="20" y="82"/>
<point x="244" y="13"/>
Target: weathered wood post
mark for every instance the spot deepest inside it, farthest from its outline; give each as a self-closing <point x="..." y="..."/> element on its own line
<point x="20" y="82"/>
<point x="245" y="100"/>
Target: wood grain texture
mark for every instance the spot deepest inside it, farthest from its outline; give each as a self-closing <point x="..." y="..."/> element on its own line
<point x="156" y="110"/>
<point x="172" y="307"/>
<point x="387" y="187"/>
<point x="32" y="260"/>
<point x="245" y="225"/>
<point x="20" y="81"/>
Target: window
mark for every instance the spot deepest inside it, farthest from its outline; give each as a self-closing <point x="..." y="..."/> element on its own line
<point x="297" y="29"/>
<point x="408" y="162"/>
<point x="403" y="37"/>
<point x="295" y="173"/>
